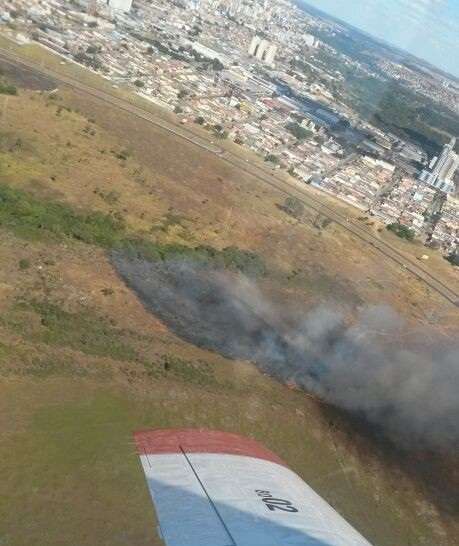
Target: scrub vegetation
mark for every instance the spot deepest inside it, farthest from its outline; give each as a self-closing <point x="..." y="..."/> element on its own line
<point x="31" y="218"/>
<point x="402" y="231"/>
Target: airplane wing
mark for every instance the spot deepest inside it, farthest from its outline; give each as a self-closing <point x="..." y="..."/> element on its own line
<point x="213" y="488"/>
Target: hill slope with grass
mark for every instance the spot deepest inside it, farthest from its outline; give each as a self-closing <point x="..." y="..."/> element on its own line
<point x="83" y="362"/>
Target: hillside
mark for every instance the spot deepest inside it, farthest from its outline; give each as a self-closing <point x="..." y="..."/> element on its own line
<point x="85" y="359"/>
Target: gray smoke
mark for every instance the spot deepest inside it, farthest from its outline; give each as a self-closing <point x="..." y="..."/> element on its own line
<point x="363" y="366"/>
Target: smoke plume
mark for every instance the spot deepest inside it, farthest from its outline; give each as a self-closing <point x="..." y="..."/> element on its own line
<point x="361" y="366"/>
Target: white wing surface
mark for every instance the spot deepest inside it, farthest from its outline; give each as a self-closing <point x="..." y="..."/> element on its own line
<point x="212" y="488"/>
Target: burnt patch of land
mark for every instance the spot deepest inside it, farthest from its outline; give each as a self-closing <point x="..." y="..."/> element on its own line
<point x="25" y="79"/>
<point x="433" y="472"/>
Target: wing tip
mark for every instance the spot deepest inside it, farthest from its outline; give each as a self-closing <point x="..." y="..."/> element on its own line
<point x="201" y="440"/>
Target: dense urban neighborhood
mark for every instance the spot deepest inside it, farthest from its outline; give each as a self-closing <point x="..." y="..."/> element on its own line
<point x="289" y="85"/>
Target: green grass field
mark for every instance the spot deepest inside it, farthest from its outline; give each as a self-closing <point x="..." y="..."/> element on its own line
<point x="71" y="475"/>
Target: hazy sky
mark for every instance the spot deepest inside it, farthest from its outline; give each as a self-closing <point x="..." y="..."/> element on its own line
<point x="426" y="28"/>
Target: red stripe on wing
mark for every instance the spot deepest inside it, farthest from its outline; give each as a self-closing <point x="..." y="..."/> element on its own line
<point x="201" y="441"/>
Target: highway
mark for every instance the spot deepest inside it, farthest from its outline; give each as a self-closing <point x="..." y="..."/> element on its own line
<point x="263" y="174"/>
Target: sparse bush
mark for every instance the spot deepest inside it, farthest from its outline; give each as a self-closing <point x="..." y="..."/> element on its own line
<point x="197" y="372"/>
<point x="31" y="218"/>
<point x="18" y="143"/>
<point x="83" y="331"/>
<point x="272" y="159"/>
<point x="24" y="264"/>
<point x="294" y="207"/>
<point x="7" y="89"/>
<point x="245" y="261"/>
<point x="231" y="258"/>
<point x="89" y="60"/>
<point x="453" y="258"/>
<point x="107" y="291"/>
<point x="217" y="65"/>
<point x="401" y="231"/>
<point x="111" y="197"/>
<point x="298" y="131"/>
<point x="121" y="154"/>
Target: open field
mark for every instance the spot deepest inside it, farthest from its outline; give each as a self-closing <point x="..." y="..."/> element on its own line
<point x="83" y="484"/>
<point x="83" y="363"/>
<point x="246" y="163"/>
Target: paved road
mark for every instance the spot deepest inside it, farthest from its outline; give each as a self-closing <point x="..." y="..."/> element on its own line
<point x="267" y="176"/>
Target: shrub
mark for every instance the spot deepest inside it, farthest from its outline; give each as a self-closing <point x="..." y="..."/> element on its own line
<point x="273" y="159"/>
<point x="122" y="154"/>
<point x="298" y="131"/>
<point x="401" y="231"/>
<point x="294" y="207"/>
<point x="453" y="258"/>
<point x="7" y="89"/>
<point x="245" y="261"/>
<point x="107" y="291"/>
<point x="217" y="65"/>
<point x="31" y="218"/>
<point x="231" y="258"/>
<point x="83" y="331"/>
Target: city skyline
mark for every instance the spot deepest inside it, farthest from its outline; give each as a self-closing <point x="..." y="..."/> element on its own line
<point x="427" y="29"/>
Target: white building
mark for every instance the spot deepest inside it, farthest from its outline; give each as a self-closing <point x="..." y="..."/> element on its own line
<point x="253" y="46"/>
<point x="311" y="41"/>
<point x="441" y="170"/>
<point x="119" y="5"/>
<point x="270" y="54"/>
<point x="262" y="49"/>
